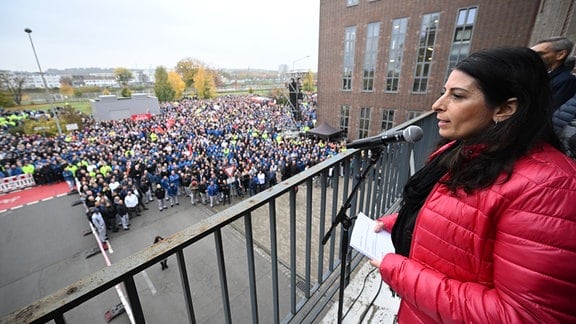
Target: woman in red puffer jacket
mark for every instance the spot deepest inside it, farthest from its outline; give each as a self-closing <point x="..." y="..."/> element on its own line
<point x="487" y="229"/>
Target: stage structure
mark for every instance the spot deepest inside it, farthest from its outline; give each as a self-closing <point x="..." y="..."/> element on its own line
<point x="295" y="93"/>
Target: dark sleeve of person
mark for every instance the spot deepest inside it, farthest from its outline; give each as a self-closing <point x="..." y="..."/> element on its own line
<point x="563" y="92"/>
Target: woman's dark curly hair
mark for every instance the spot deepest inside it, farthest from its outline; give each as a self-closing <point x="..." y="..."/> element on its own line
<point x="501" y="74"/>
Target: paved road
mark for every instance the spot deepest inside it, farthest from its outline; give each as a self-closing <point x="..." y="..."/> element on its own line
<point x="43" y="249"/>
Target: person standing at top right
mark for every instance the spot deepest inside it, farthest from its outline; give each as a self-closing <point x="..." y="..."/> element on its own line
<point x="554" y="51"/>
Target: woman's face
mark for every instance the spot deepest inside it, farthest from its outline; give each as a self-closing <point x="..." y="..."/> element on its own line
<point x="461" y="110"/>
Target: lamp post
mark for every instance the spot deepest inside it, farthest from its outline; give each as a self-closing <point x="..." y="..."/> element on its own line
<point x="300" y="59"/>
<point x="48" y="96"/>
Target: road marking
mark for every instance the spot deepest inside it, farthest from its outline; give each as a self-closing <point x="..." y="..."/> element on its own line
<point x="149" y="282"/>
<point x="9" y="200"/>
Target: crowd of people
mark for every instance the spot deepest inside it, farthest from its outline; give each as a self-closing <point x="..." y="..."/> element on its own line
<point x="202" y="151"/>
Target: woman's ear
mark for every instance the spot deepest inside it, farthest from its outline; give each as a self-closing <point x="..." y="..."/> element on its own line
<point x="506" y="110"/>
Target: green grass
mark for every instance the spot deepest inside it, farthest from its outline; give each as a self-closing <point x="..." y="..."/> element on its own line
<point x="83" y="106"/>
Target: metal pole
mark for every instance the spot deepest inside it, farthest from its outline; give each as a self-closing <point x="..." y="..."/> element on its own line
<point x="300" y="59"/>
<point x="48" y="96"/>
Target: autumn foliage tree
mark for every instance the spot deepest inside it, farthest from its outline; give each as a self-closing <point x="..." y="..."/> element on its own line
<point x="187" y="69"/>
<point x="308" y="83"/>
<point x="204" y="84"/>
<point x="177" y="84"/>
<point x="66" y="90"/>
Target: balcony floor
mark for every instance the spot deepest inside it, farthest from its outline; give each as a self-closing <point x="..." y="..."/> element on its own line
<point x="382" y="311"/>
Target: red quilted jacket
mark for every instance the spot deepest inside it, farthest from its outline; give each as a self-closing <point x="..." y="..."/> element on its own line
<point x="506" y="254"/>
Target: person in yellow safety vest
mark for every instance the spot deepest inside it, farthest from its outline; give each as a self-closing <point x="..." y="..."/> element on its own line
<point x="68" y="138"/>
<point x="234" y="140"/>
<point x="92" y="171"/>
<point x="153" y="137"/>
<point x="69" y="174"/>
<point x="72" y="168"/>
<point x="105" y="168"/>
<point x="28" y="168"/>
<point x="82" y="163"/>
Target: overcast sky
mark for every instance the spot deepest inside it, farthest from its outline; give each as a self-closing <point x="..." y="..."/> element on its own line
<point x="145" y="34"/>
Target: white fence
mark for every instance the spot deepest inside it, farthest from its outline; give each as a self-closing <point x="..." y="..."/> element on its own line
<point x="16" y="182"/>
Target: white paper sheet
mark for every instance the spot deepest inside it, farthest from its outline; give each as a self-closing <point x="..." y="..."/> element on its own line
<point x="366" y="241"/>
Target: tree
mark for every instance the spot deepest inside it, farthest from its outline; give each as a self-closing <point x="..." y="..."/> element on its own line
<point x="13" y="84"/>
<point x="187" y="69"/>
<point x="162" y="87"/>
<point x="204" y="84"/>
<point x="6" y="99"/>
<point x="123" y="76"/>
<point x="177" y="84"/>
<point x="65" y="80"/>
<point x="308" y="82"/>
<point x="66" y="90"/>
<point x="126" y="93"/>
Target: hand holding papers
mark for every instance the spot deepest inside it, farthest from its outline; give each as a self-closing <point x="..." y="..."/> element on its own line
<point x="366" y="241"/>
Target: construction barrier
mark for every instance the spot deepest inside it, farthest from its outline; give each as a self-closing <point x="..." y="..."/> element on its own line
<point x="21" y="181"/>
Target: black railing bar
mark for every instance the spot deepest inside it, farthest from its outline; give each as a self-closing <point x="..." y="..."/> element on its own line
<point x="332" y="251"/>
<point x="185" y="286"/>
<point x="222" y="275"/>
<point x="308" y="247"/>
<point x="369" y="187"/>
<point x="293" y="270"/>
<point x="134" y="300"/>
<point x="59" y="319"/>
<point x="251" y="267"/>
<point x="274" y="259"/>
<point x="321" y="232"/>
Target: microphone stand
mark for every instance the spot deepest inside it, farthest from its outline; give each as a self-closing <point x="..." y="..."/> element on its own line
<point x="346" y="222"/>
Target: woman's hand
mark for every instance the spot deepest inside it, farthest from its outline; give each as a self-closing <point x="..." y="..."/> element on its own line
<point x="375" y="263"/>
<point x="378" y="226"/>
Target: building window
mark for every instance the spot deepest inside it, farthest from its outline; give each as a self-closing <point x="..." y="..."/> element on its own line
<point x="395" y="51"/>
<point x="425" y="51"/>
<point x="462" y="36"/>
<point x="387" y="119"/>
<point x="413" y="114"/>
<point x="344" y="118"/>
<point x="370" y="56"/>
<point x="364" y="122"/>
<point x="351" y="2"/>
<point x="349" y="47"/>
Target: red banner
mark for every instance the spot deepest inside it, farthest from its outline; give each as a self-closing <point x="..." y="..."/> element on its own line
<point x="141" y="117"/>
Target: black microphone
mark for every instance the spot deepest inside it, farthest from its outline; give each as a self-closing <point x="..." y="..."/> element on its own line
<point x="410" y="134"/>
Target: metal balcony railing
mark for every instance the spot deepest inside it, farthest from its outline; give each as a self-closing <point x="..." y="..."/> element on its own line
<point x="283" y="225"/>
